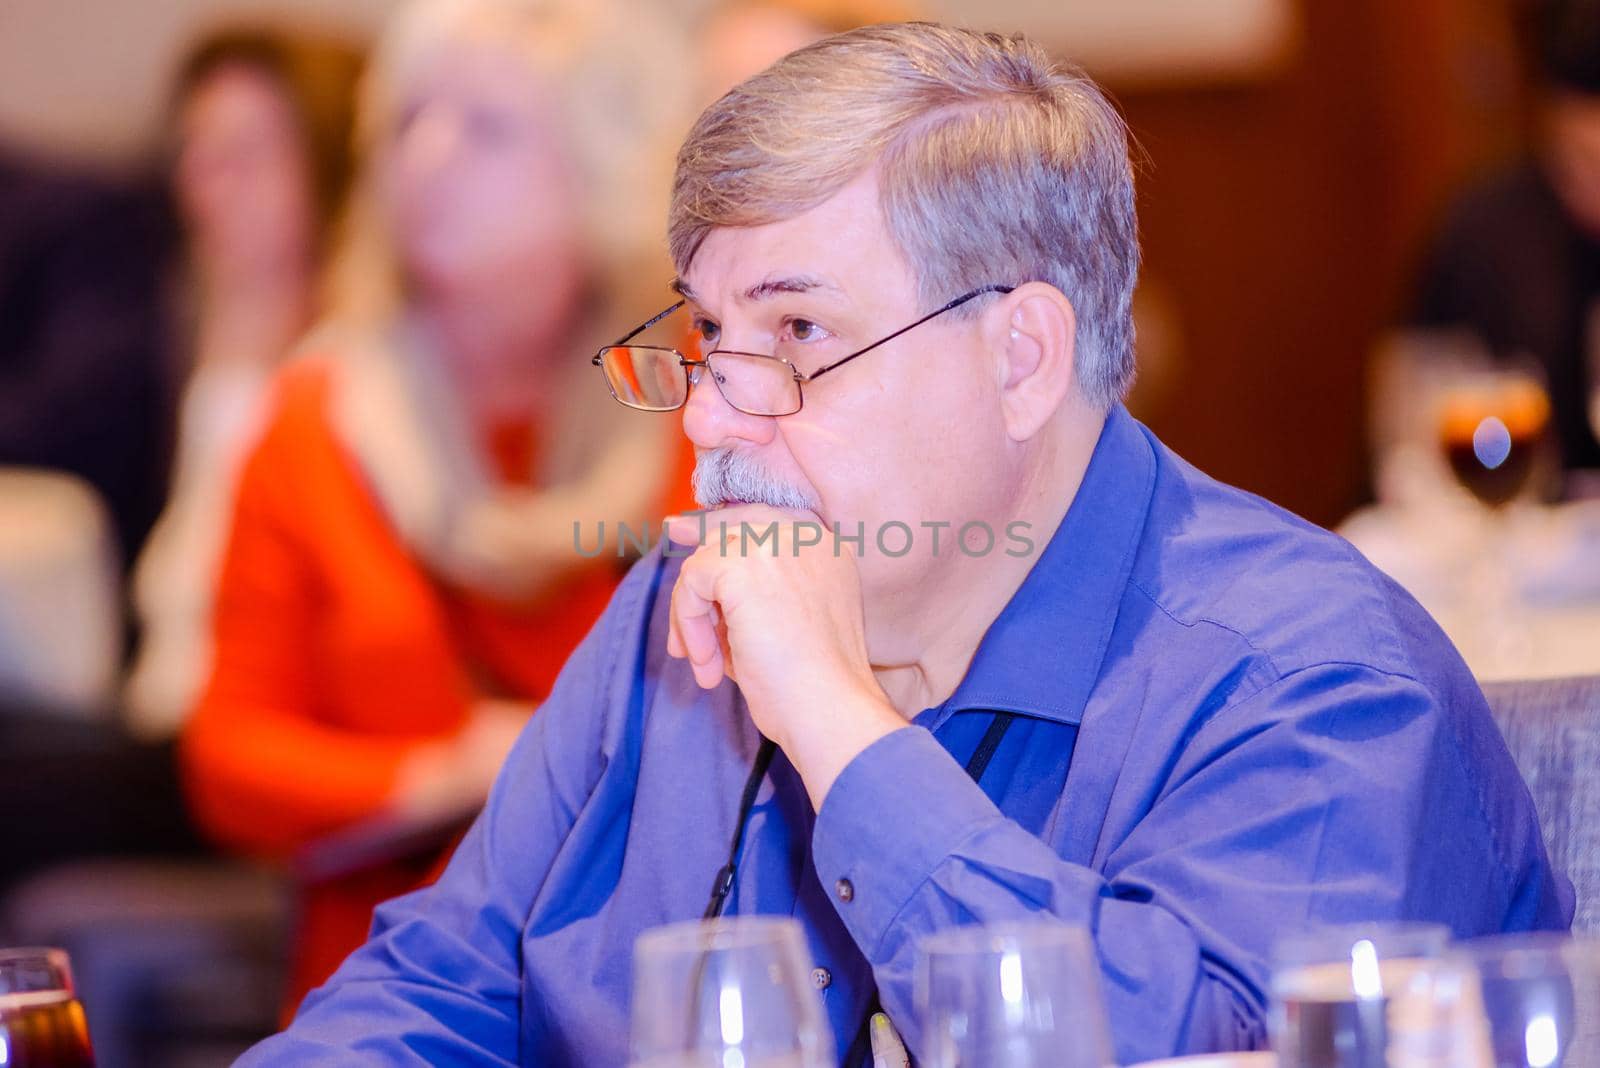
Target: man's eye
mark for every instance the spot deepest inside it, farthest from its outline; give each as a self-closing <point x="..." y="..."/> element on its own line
<point x="804" y="330"/>
<point x="706" y="329"/>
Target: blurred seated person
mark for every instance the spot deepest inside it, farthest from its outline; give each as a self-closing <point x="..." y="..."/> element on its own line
<point x="1008" y="657"/>
<point x="263" y="125"/>
<point x="1517" y="262"/>
<point x="401" y="583"/>
<point x="260" y="124"/>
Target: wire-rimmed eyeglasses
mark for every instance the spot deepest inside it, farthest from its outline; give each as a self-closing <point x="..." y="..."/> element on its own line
<point x="654" y="378"/>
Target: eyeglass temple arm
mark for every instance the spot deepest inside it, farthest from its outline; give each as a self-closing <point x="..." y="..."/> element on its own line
<point x="642" y="327"/>
<point x="819" y="372"/>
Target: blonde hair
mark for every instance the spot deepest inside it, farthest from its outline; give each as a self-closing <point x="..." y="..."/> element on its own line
<point x="620" y="103"/>
<point x="995" y="166"/>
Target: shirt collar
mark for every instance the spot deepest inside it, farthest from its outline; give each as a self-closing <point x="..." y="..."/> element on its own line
<point x="1041" y="656"/>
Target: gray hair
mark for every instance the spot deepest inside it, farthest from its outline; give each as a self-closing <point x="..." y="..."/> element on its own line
<point x="995" y="165"/>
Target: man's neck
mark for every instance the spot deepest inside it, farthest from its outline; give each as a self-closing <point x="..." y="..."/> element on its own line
<point x="942" y="623"/>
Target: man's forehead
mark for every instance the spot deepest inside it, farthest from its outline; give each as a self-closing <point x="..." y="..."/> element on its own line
<point x="831" y="249"/>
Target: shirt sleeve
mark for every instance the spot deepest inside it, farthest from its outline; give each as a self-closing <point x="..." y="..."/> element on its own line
<point x="1318" y="799"/>
<point x="439" y="980"/>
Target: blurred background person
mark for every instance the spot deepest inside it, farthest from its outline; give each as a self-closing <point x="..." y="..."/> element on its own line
<point x="175" y="947"/>
<point x="400" y="585"/>
<point x="1517" y="262"/>
<point x="262" y="120"/>
<point x="1485" y="404"/>
<point x="739" y="38"/>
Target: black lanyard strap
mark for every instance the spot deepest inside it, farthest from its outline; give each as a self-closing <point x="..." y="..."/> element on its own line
<point x="978" y="762"/>
<point x="723" y="886"/>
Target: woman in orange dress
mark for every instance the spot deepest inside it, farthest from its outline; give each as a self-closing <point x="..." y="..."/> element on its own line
<point x="402" y="584"/>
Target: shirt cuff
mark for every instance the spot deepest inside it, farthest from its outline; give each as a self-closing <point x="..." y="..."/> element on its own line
<point x="893" y="815"/>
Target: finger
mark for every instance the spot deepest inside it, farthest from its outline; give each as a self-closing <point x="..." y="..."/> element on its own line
<point x="674" y="642"/>
<point x="695" y="613"/>
<point x="727" y="650"/>
<point x="699" y="631"/>
<point x="675" y="646"/>
<point x="710" y="674"/>
<point x="683" y="605"/>
<point x="686" y="529"/>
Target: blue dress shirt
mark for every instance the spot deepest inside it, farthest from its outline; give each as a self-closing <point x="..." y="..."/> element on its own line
<point x="1229" y="726"/>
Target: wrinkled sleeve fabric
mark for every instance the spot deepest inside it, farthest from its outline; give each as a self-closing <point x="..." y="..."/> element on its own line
<point x="439" y="980"/>
<point x="1337" y="793"/>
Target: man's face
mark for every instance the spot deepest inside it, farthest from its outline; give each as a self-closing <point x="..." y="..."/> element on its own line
<point x="908" y="433"/>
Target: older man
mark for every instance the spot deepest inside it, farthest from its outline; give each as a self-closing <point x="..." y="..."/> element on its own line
<point x="1018" y="660"/>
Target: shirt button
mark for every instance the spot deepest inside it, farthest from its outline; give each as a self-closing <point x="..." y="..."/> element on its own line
<point x="845" y="889"/>
<point x="821" y="978"/>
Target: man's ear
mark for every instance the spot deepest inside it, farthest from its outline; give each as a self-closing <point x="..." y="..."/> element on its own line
<point x="1032" y="332"/>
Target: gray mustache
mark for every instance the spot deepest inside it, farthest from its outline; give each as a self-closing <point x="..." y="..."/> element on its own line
<point x="726" y="475"/>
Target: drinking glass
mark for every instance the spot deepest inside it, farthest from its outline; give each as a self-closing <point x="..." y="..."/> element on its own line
<point x="1012" y="996"/>
<point x="727" y="993"/>
<point x="1436" y="1019"/>
<point x="41" y="1020"/>
<point x="1492" y="422"/>
<point x="1331" y="990"/>
<point x="1541" y="997"/>
<point x="1492" y="427"/>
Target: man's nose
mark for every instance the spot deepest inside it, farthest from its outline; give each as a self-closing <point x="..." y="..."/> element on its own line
<point x="711" y="422"/>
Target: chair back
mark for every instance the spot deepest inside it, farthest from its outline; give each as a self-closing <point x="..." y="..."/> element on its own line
<point x="1552" y="727"/>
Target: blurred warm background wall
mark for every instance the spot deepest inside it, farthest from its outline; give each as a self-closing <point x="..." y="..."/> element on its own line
<point x="1296" y="154"/>
<point x="1282" y="218"/>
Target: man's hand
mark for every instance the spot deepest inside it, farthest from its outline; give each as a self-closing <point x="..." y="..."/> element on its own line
<point x="771" y="601"/>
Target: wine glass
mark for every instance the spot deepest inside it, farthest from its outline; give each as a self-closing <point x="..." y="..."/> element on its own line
<point x="1436" y="1018"/>
<point x="727" y="993"/>
<point x="1331" y="990"/>
<point x="1492" y="427"/>
<point x="1541" y="997"/>
<point x="1012" y="996"/>
<point x="1493" y="422"/>
<point x="41" y="1020"/>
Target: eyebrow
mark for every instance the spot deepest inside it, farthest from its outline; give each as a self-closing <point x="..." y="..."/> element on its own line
<point x="768" y="287"/>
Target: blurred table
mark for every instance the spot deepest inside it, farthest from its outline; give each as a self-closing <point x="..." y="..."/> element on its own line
<point x="1517" y="591"/>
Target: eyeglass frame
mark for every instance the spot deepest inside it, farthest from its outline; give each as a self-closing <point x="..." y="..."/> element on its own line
<point x="801" y="379"/>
